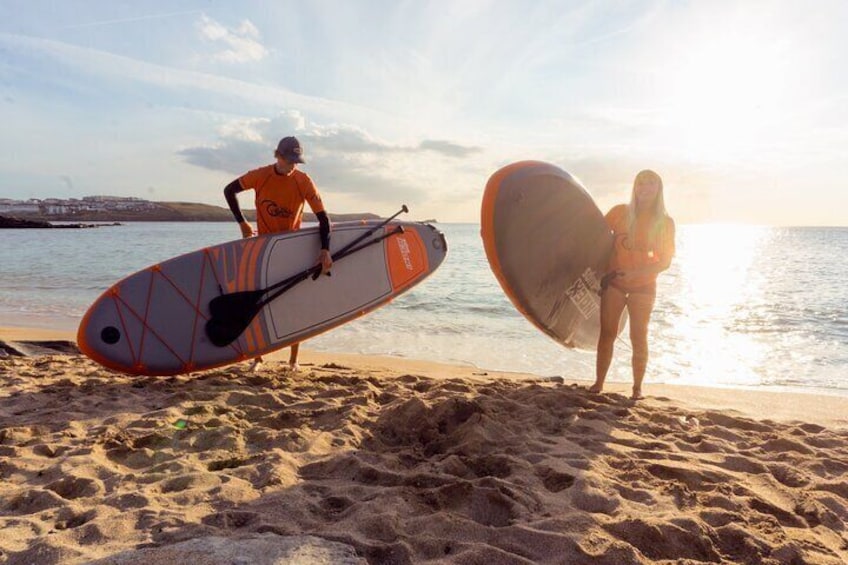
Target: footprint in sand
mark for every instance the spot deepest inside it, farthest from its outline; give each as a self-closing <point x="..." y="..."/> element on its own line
<point x="333" y="507"/>
<point x="485" y="505"/>
<point x="68" y="518"/>
<point x="490" y="466"/>
<point x="33" y="501"/>
<point x="683" y="540"/>
<point x="71" y="488"/>
<point x="555" y="481"/>
<point x="231" y="519"/>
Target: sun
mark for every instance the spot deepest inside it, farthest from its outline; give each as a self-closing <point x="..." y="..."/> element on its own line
<point x="727" y="92"/>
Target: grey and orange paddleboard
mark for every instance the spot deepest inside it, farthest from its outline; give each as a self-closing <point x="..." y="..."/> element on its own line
<point x="157" y="321"/>
<point x="548" y="245"/>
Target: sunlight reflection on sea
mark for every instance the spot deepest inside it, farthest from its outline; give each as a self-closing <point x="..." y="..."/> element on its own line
<point x="740" y="306"/>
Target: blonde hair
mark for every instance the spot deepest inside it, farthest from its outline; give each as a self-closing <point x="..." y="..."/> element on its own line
<point x="658" y="214"/>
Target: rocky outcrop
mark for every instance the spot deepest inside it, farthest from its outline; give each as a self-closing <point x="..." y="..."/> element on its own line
<point x="18" y="223"/>
<point x="8" y="222"/>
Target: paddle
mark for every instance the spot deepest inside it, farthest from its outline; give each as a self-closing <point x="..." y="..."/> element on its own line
<point x="232" y="313"/>
<point x="214" y="304"/>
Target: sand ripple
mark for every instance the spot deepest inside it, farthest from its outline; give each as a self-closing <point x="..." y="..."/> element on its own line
<point x="401" y="468"/>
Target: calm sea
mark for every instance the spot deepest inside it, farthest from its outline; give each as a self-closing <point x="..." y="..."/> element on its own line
<point x="741" y="306"/>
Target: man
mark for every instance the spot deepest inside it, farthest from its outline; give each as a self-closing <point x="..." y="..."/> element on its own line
<point x="281" y="189"/>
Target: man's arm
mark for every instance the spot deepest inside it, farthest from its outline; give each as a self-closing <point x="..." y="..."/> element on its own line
<point x="230" y="192"/>
<point x="313" y="198"/>
<point x="324" y="229"/>
<point x="324" y="257"/>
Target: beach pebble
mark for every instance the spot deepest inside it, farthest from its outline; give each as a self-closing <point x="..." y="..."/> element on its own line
<point x="689" y="422"/>
<point x="553" y="379"/>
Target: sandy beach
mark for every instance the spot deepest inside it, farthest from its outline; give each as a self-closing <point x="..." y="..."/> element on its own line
<point x="358" y="459"/>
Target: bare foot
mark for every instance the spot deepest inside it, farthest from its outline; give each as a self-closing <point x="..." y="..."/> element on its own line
<point x="294" y="367"/>
<point x="256" y="365"/>
<point x="637" y="394"/>
<point x="596" y="388"/>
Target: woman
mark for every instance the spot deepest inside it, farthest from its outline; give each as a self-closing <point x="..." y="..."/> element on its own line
<point x="643" y="248"/>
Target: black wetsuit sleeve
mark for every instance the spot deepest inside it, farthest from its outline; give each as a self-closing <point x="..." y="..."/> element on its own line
<point x="230" y="194"/>
<point x="324" y="229"/>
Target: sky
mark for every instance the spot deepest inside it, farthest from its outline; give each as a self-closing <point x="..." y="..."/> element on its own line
<point x="741" y="106"/>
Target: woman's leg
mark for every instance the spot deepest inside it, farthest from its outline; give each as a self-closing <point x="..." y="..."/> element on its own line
<point x="295" y="349"/>
<point x="612" y="305"/>
<point x="639" y="307"/>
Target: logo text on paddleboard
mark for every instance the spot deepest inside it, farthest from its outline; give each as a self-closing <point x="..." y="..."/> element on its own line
<point x="583" y="293"/>
<point x="403" y="246"/>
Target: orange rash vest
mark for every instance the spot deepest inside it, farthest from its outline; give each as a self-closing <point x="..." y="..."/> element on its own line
<point x="640" y="249"/>
<point x="279" y="198"/>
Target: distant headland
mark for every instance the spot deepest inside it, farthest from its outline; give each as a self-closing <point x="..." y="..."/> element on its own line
<point x="16" y="213"/>
<point x="7" y="222"/>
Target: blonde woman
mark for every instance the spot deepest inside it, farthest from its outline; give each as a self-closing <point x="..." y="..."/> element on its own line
<point x="644" y="247"/>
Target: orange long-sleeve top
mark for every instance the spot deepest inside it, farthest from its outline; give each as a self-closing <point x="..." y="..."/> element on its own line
<point x="649" y="244"/>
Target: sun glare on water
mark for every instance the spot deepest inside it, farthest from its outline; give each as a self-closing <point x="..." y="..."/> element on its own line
<point x="714" y="278"/>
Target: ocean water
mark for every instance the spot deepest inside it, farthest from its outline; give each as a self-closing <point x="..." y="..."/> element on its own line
<point x="741" y="306"/>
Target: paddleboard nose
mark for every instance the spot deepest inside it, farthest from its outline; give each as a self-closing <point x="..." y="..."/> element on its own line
<point x="438" y="248"/>
<point x="101" y="336"/>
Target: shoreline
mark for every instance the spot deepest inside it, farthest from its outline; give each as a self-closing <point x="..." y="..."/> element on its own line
<point x="829" y="410"/>
<point x="65" y="328"/>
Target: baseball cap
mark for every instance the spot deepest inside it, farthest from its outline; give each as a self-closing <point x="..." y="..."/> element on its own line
<point x="289" y="148"/>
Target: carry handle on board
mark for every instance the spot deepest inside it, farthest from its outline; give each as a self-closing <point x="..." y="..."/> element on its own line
<point x="232" y="313"/>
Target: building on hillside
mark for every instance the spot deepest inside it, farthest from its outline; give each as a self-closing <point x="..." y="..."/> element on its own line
<point x="12" y="207"/>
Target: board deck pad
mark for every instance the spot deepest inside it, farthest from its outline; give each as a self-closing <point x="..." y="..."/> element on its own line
<point x="548" y="245"/>
<point x="153" y="321"/>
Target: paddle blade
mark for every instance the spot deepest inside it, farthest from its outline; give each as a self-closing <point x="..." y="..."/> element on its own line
<point x="223" y="332"/>
<point x="234" y="303"/>
<point x="231" y="314"/>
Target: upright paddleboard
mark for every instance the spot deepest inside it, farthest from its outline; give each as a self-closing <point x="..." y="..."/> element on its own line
<point x="548" y="245"/>
<point x="193" y="312"/>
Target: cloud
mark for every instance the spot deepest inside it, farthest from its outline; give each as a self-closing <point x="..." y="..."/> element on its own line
<point x="235" y="156"/>
<point x="348" y="139"/>
<point x="244" y="144"/>
<point x="262" y="135"/>
<point x="371" y="183"/>
<point x="54" y="66"/>
<point x="347" y="159"/>
<point x="449" y="149"/>
<point x="241" y="44"/>
<point x="354" y="139"/>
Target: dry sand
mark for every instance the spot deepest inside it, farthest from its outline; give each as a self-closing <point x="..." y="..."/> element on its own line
<point x="380" y="460"/>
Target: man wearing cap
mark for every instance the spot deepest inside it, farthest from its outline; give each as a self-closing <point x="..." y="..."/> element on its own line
<point x="281" y="190"/>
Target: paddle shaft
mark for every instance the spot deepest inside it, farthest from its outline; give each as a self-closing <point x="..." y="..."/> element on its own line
<point x="403" y="209"/>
